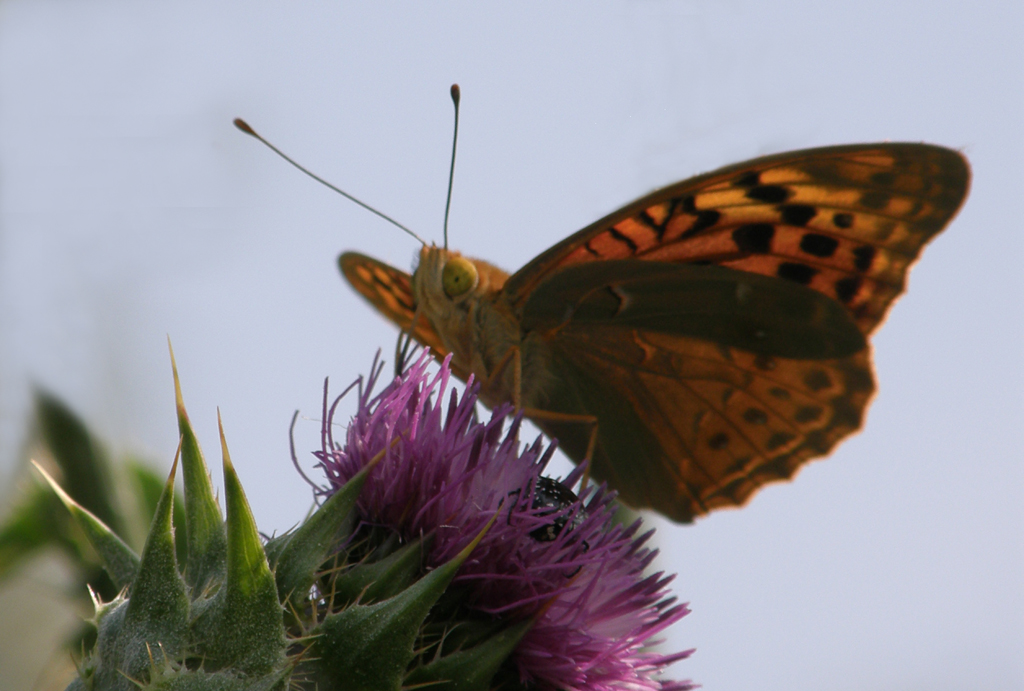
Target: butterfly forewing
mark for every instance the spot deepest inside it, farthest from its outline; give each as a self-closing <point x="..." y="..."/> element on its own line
<point x="845" y="221"/>
<point x="390" y="291"/>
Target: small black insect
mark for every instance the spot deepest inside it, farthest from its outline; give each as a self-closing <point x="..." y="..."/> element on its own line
<point x="551" y="496"/>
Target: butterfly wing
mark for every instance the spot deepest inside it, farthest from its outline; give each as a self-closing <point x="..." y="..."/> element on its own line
<point x="390" y="291"/>
<point x="846" y="221"/>
<point x="687" y="425"/>
<point x="689" y="419"/>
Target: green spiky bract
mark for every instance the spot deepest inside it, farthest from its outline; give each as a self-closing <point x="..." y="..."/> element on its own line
<point x="294" y="613"/>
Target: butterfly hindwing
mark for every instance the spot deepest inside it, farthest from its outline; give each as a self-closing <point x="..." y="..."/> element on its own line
<point x="687" y="425"/>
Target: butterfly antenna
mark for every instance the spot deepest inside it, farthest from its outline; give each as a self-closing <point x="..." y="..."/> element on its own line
<point x="244" y="126"/>
<point x="456" y="95"/>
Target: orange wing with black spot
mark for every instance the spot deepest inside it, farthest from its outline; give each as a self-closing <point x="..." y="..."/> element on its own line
<point x="846" y="221"/>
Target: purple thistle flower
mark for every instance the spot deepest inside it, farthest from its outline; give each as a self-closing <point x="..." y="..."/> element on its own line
<point x="566" y="566"/>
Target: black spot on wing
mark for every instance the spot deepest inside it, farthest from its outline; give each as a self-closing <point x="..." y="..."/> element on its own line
<point x="841" y="219"/>
<point x="816" y="439"/>
<point x="863" y="256"/>
<point x="755" y="416"/>
<point x="751" y="179"/>
<point x="754" y="238"/>
<point x="846" y="288"/>
<point x="857" y="380"/>
<point x="797" y="214"/>
<point x="799" y="273"/>
<point x="719" y="441"/>
<point x="705" y="219"/>
<point x="773" y="194"/>
<point x="818" y="245"/>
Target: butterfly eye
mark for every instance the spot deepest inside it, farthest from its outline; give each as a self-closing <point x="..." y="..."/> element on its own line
<point x="458" y="277"/>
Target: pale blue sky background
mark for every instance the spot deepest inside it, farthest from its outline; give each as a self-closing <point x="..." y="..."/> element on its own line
<point x="130" y="209"/>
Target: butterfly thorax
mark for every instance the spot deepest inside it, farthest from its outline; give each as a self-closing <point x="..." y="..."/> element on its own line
<point x="470" y="318"/>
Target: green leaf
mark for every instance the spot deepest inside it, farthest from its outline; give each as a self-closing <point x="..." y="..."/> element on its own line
<point x="368" y="647"/>
<point x="159" y="603"/>
<point x="152" y="622"/>
<point x="149" y="486"/>
<point x="118" y="558"/>
<point x="306" y="548"/>
<point x="244" y="627"/>
<point x="375" y="581"/>
<point x="204" y="529"/>
<point x="471" y="669"/>
<point x="36" y="521"/>
<point x="81" y="460"/>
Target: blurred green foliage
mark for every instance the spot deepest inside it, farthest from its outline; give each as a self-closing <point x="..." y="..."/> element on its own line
<point x="123" y="494"/>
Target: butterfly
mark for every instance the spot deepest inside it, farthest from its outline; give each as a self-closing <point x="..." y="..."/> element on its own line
<point x="703" y="340"/>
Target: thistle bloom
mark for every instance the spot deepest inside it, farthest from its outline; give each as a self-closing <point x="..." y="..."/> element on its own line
<point x="441" y="559"/>
<point x="549" y="557"/>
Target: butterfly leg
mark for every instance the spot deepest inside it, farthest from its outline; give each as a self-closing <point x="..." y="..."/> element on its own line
<point x="404" y="349"/>
<point x="513" y="357"/>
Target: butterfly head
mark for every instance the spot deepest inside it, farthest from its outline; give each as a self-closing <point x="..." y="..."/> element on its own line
<point x="442" y="279"/>
<point x="445" y="280"/>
